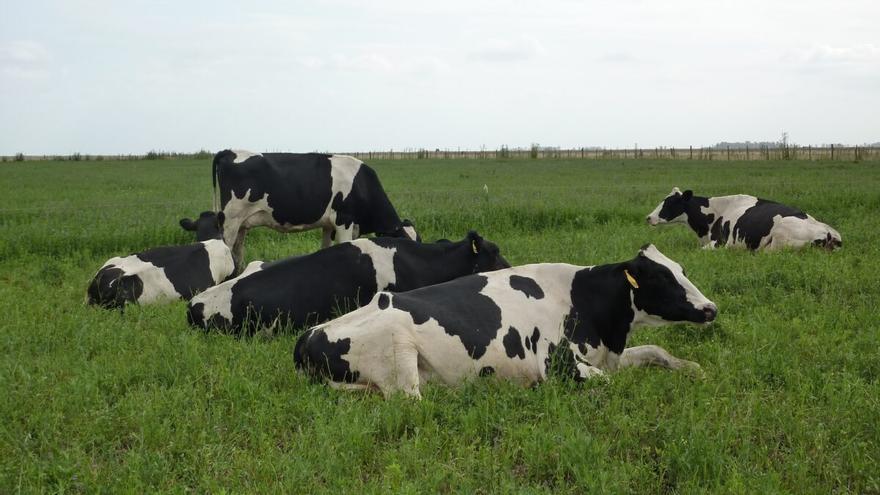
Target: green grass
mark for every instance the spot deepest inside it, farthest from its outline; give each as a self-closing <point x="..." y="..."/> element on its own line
<point x="96" y="401"/>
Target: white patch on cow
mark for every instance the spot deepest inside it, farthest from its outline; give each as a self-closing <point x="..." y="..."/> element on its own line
<point x="383" y="261"/>
<point x="217" y="300"/>
<point x="219" y="259"/>
<point x="692" y="293"/>
<point x="343" y="168"/>
<point x="729" y="208"/>
<point x="242" y="155"/>
<point x="157" y="287"/>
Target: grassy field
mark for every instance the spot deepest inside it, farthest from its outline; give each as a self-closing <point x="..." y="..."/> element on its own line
<point x="94" y="401"/>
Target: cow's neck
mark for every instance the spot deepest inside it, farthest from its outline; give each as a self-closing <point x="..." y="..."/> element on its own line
<point x="698" y="218"/>
<point x="601" y="308"/>
<point x="436" y="263"/>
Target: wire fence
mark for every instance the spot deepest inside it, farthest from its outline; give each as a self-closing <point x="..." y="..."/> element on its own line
<point x="716" y="153"/>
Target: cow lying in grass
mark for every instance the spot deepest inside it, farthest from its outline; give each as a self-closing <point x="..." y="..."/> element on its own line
<point x="166" y="273"/>
<point x="509" y="323"/>
<point x="308" y="289"/>
<point x="743" y="221"/>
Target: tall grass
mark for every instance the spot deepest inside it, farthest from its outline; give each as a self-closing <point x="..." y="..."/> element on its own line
<point x="98" y="401"/>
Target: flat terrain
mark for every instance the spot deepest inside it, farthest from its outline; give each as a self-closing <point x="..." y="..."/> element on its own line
<point x="94" y="401"/>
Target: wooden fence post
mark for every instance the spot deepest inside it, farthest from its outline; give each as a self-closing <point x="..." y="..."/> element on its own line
<point x="832" y="151"/>
<point x="692" y="152"/>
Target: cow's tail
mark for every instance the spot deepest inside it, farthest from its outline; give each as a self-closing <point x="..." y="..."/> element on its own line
<point x="299" y="358"/>
<point x="214" y="176"/>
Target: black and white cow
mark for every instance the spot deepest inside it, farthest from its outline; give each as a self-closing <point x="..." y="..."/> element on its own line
<point x="292" y="192"/>
<point x="517" y="324"/>
<point x="306" y="290"/>
<point x="743" y="221"/>
<point x="166" y="273"/>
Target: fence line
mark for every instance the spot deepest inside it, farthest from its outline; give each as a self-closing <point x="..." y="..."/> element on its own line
<point x="815" y="153"/>
<point x="763" y="152"/>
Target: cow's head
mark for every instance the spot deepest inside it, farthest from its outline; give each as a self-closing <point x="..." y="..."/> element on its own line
<point x="486" y="255"/>
<point x="673" y="208"/>
<point x="208" y="226"/>
<point x="661" y="293"/>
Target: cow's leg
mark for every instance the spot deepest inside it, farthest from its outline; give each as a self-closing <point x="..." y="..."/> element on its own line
<point x="327" y="237"/>
<point x="401" y="371"/>
<point x="344" y="234"/>
<point x="586" y="372"/>
<point x="238" y="250"/>
<point x="652" y="355"/>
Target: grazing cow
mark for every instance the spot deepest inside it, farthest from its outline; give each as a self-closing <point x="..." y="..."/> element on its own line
<point x="743" y="221"/>
<point x="306" y="290"/>
<point x="292" y="192"/>
<point x="517" y="324"/>
<point x="166" y="273"/>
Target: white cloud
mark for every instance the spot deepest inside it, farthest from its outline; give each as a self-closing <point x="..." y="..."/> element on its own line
<point x="854" y="59"/>
<point x="24" y="59"/>
<point x="508" y="50"/>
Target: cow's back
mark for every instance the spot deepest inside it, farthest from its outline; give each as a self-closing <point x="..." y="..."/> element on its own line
<point x="295" y="186"/>
<point x="305" y="290"/>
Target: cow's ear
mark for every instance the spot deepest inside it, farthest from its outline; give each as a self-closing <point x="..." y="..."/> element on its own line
<point x="476" y="241"/>
<point x="187" y="224"/>
<point x="687" y="195"/>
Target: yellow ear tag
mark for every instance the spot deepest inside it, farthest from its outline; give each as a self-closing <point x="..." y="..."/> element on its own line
<point x="631" y="280"/>
<point x="474" y="246"/>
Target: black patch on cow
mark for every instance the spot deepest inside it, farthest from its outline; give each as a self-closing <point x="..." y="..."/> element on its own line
<point x="487" y="371"/>
<point x="305" y="290"/>
<point x="676" y="204"/>
<point x="383" y="301"/>
<point x="561" y="362"/>
<point x="756" y="222"/>
<point x="532" y="342"/>
<point x="527" y="286"/>
<point x="195" y="316"/>
<point x="459" y="308"/>
<point x="720" y="231"/>
<point x="512" y="344"/>
<point x="188" y="268"/>
<point x="600" y="312"/>
<point x="112" y="288"/>
<point x="315" y="354"/>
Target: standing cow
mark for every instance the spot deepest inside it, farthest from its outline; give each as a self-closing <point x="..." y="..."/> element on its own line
<point x="292" y="192"/>
<point x="166" y="273"/>
<point x="510" y="323"/>
<point x="308" y="289"/>
<point x="743" y="221"/>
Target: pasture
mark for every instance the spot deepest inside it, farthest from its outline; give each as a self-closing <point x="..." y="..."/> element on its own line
<point x="97" y="401"/>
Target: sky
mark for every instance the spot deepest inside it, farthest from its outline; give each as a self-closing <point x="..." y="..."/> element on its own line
<point x="108" y="77"/>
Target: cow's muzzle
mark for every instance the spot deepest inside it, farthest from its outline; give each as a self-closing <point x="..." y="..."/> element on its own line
<point x="711" y="312"/>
